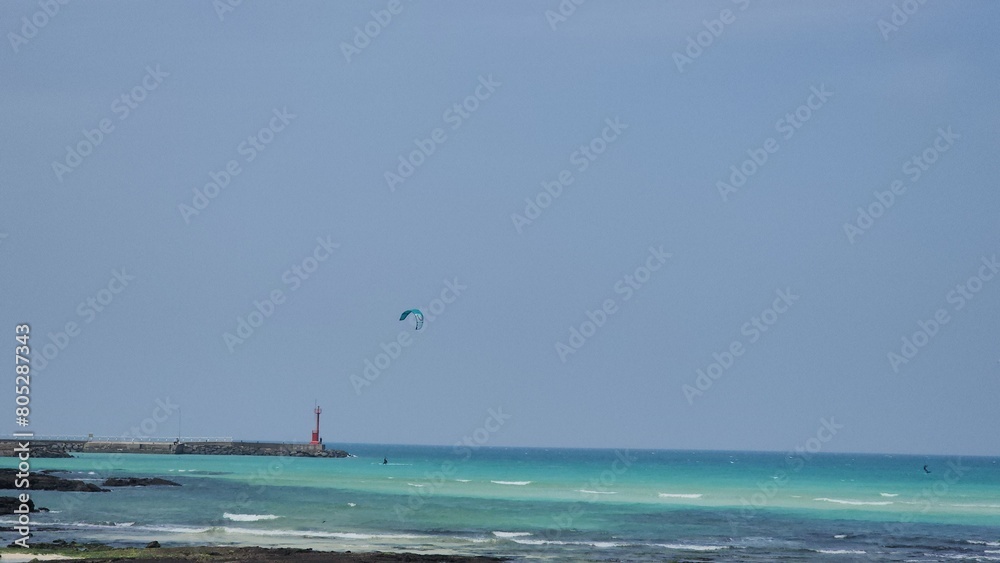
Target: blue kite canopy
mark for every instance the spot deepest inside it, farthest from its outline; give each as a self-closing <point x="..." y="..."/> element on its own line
<point x="417" y="315"/>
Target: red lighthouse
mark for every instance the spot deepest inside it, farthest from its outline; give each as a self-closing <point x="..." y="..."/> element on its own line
<point x="315" y="438"/>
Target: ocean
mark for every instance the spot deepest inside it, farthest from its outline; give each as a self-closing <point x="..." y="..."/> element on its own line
<point x="544" y="504"/>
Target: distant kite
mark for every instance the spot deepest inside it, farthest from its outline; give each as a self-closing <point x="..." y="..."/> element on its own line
<point x="417" y="315"/>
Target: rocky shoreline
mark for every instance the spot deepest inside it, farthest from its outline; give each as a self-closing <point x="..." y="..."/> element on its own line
<point x="47" y="482"/>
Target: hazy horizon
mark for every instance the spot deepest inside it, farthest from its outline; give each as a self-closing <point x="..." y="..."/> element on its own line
<point x="646" y="225"/>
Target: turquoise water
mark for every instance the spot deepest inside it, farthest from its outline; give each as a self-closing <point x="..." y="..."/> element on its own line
<point x="559" y="504"/>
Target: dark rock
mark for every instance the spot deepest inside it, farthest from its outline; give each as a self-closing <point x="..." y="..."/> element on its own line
<point x="48" y="453"/>
<point x="137" y="482"/>
<point x="42" y="482"/>
<point x="152" y="544"/>
<point x="9" y="504"/>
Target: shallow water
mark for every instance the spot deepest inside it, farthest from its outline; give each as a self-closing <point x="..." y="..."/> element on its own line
<point x="547" y="503"/>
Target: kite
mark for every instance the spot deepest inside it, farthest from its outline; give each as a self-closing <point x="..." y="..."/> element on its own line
<point x="417" y="315"/>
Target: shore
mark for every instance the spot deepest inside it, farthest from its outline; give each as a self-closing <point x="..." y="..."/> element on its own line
<point x="99" y="553"/>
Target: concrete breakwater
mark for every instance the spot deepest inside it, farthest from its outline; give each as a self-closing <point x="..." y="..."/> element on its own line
<point x="63" y="448"/>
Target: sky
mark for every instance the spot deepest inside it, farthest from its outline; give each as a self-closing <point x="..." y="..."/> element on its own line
<point x="680" y="225"/>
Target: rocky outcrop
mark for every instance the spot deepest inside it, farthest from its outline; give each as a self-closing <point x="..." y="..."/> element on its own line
<point x="9" y="504"/>
<point x="137" y="482"/>
<point x="43" y="482"/>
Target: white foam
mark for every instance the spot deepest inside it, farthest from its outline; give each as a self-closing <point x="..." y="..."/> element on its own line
<point x="318" y="534"/>
<point x="511" y="534"/>
<point x="417" y="484"/>
<point x="601" y="544"/>
<point x="983" y="542"/>
<point x="855" y="502"/>
<point x="463" y="480"/>
<point x="839" y="536"/>
<point x="249" y="517"/>
<point x="889" y="494"/>
<point x="351" y="504"/>
<point x="680" y="495"/>
<point x="540" y="542"/>
<point x="358" y="536"/>
<point x="842" y="551"/>
<point x="692" y="546"/>
<point x="174" y="529"/>
<point x="597" y="492"/>
<point x="511" y="482"/>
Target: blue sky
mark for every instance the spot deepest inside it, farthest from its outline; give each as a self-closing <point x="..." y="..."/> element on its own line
<point x="302" y="119"/>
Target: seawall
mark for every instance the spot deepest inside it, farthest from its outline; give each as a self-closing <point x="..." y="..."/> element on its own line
<point x="63" y="448"/>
